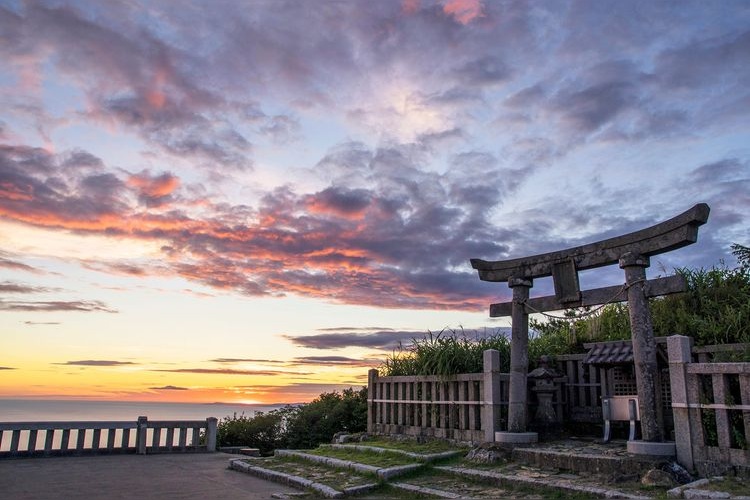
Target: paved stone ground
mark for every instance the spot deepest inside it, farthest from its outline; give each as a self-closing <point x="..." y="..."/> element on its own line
<point x="167" y="476"/>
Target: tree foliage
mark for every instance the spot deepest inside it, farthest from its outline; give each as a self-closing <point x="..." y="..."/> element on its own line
<point x="329" y="413"/>
<point x="304" y="426"/>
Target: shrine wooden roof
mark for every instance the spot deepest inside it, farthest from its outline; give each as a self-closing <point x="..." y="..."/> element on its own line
<point x="618" y="352"/>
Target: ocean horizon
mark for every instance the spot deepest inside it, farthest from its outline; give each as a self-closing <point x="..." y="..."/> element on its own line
<point x="41" y="410"/>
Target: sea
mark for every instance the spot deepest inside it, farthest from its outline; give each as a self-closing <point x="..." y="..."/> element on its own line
<point x="38" y="410"/>
<point x="47" y="410"/>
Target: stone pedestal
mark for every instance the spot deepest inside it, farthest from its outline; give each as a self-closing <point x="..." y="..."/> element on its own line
<point x="665" y="449"/>
<point x="516" y="437"/>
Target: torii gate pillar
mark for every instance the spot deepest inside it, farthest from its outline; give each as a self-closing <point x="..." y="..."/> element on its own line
<point x="644" y="345"/>
<point x="519" y="355"/>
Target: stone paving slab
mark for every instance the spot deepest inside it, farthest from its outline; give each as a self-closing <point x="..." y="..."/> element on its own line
<point x="193" y="476"/>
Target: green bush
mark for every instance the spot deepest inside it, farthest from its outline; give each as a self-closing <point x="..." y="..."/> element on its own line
<point x="304" y="426"/>
<point x="445" y="353"/>
<point x="264" y="431"/>
<point x="316" y="422"/>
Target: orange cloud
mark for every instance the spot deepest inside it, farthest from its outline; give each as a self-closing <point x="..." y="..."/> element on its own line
<point x="154" y="187"/>
<point x="155" y="95"/>
<point x="16" y="193"/>
<point x="463" y="11"/>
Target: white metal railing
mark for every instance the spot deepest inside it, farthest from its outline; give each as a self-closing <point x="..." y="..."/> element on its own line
<point x="30" y="439"/>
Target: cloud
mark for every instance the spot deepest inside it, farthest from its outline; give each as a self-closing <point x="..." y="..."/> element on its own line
<point x="335" y="360"/>
<point x="304" y="360"/>
<point x="385" y="340"/>
<point x="11" y="287"/>
<point x="131" y="77"/>
<point x="7" y="368"/>
<point x="154" y="190"/>
<point x="230" y="371"/>
<point x="382" y="339"/>
<point x="169" y="388"/>
<point x="352" y="244"/>
<point x="433" y="131"/>
<point x="246" y="360"/>
<point x="96" y="362"/>
<point x="42" y="323"/>
<point x="298" y="391"/>
<point x="7" y="262"/>
<point x="464" y="11"/>
<point x="56" y="306"/>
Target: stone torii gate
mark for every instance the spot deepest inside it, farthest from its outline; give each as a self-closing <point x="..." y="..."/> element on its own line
<point x="632" y="251"/>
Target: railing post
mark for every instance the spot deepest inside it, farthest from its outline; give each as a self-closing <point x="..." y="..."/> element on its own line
<point x="372" y="379"/>
<point x="211" y="423"/>
<point x="492" y="394"/>
<point x="140" y="435"/>
<point x="678" y="350"/>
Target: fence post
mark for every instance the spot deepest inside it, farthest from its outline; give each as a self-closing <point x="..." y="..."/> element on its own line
<point x="140" y="435"/>
<point x="372" y="379"/>
<point x="492" y="394"/>
<point x="679" y="352"/>
<point x="211" y="423"/>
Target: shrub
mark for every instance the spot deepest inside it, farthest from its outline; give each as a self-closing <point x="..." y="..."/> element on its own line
<point x="263" y="430"/>
<point x="316" y="422"/>
<point x="304" y="426"/>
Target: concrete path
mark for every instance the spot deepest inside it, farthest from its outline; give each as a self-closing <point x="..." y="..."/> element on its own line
<point x="167" y="476"/>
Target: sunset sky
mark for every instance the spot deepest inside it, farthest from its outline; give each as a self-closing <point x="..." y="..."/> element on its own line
<point x="255" y="201"/>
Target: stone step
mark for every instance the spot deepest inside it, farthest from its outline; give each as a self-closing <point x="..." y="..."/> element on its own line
<point x="383" y="473"/>
<point x="568" y="486"/>
<point x="620" y="464"/>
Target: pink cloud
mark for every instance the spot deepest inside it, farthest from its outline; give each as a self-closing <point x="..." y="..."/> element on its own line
<point x="463" y="11"/>
<point x="410" y="6"/>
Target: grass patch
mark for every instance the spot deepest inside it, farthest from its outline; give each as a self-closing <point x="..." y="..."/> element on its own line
<point x="367" y="457"/>
<point x="335" y="478"/>
<point x="475" y="488"/>
<point x="432" y="446"/>
<point x="388" y="492"/>
<point x="735" y="486"/>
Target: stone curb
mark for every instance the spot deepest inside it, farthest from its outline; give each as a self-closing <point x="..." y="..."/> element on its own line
<point x="399" y="470"/>
<point x="332" y="462"/>
<point x="425" y="491"/>
<point x="692" y="490"/>
<point x="545" y="483"/>
<point x="281" y="477"/>
<point x="677" y="492"/>
<point x="382" y="473"/>
<point x="360" y="490"/>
